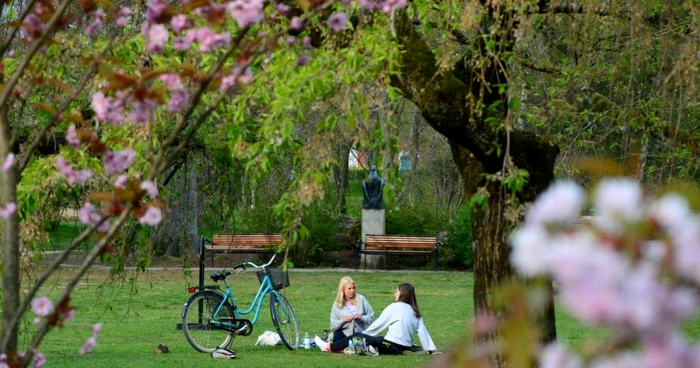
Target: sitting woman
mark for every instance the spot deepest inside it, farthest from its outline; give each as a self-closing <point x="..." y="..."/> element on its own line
<point x="350" y="314"/>
<point x="402" y="319"/>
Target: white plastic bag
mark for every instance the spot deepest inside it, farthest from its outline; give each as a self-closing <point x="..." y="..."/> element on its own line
<point x="269" y="338"/>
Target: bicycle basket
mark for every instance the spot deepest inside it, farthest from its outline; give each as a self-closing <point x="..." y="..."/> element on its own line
<point x="279" y="278"/>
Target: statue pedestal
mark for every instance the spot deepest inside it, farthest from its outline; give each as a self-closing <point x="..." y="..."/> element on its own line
<point x="374" y="223"/>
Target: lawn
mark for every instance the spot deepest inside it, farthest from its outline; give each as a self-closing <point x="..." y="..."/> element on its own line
<point x="139" y="313"/>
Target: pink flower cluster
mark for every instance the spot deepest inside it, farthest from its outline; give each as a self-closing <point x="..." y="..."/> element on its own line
<point x="91" y="342"/>
<point x="246" y="12"/>
<point x="109" y="109"/>
<point x="601" y="284"/>
<point x="32" y="27"/>
<point x="89" y="215"/>
<point x="71" y="175"/>
<point x="91" y="29"/>
<point x="115" y="162"/>
<point x="387" y="6"/>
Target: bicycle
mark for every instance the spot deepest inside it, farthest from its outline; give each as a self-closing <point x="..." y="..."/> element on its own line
<point x="208" y="313"/>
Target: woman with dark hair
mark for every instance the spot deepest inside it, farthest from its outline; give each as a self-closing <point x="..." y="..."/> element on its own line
<point x="402" y="320"/>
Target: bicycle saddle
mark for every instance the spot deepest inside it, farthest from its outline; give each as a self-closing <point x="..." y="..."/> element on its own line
<point x="218" y="275"/>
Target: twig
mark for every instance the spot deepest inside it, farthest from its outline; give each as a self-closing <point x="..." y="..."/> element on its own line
<point x="64" y="105"/>
<point x="49" y="270"/>
<point x="7" y="89"/>
<point x="14" y="30"/>
<point x="89" y="258"/>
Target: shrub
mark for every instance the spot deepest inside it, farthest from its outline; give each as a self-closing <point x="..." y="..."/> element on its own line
<point x="457" y="248"/>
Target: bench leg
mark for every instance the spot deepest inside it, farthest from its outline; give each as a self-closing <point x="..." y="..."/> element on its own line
<point x="435" y="260"/>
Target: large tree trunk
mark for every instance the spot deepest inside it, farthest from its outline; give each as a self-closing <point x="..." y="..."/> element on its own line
<point x="444" y="97"/>
<point x="10" y="244"/>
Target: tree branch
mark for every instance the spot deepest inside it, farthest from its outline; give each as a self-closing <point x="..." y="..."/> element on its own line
<point x="53" y="22"/>
<point x="64" y="105"/>
<point x="14" y="30"/>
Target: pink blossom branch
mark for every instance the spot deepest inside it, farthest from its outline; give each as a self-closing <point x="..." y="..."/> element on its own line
<point x="49" y="270"/>
<point x="160" y="163"/>
<point x="89" y="259"/>
<point x="7" y="89"/>
<point x="14" y="30"/>
<point x="64" y="105"/>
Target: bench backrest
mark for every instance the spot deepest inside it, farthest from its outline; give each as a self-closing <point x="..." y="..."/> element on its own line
<point x="246" y="240"/>
<point x="400" y="241"/>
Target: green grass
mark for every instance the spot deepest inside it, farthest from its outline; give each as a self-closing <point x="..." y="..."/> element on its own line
<point x="138" y="316"/>
<point x="141" y="313"/>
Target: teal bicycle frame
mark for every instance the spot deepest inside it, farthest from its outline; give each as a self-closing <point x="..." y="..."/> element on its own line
<point x="265" y="288"/>
<point x="209" y="310"/>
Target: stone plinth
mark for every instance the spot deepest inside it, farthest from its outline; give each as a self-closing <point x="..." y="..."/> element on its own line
<point x="373" y="223"/>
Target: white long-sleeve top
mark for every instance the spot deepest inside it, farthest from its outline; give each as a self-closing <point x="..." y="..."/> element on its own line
<point x="402" y="324"/>
<point x="364" y="310"/>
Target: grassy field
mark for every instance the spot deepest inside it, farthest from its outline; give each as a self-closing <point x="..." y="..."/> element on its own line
<point x="139" y="313"/>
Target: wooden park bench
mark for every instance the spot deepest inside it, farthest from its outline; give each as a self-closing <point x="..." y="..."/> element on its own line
<point x="399" y="245"/>
<point x="236" y="243"/>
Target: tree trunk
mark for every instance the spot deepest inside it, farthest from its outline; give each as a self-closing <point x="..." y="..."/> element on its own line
<point x="10" y="244"/>
<point x="340" y="171"/>
<point x="443" y="97"/>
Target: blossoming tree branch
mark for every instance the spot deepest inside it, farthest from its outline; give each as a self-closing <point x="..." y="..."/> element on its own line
<point x="69" y="68"/>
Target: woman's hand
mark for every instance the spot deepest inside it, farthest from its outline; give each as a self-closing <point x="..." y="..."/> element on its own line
<point x="347" y="318"/>
<point x="356" y="316"/>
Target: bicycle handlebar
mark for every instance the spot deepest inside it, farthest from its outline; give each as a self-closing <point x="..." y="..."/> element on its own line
<point x="248" y="263"/>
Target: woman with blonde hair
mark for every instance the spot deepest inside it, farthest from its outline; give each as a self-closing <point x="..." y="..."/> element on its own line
<point x="351" y="312"/>
<point x="401" y="319"/>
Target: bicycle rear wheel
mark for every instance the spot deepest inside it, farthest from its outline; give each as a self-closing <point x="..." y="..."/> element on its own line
<point x="196" y="321"/>
<point x="284" y="320"/>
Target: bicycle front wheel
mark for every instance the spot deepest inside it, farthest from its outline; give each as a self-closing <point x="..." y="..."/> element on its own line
<point x="197" y="319"/>
<point x="284" y="320"/>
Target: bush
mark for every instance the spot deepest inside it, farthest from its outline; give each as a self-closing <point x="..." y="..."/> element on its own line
<point x="457" y="248"/>
<point x="325" y="226"/>
<point x="416" y="219"/>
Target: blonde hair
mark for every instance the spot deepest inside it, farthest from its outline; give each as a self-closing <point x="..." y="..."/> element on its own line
<point x="340" y="298"/>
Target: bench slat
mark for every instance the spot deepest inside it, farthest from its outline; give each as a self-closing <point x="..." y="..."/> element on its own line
<point x="397" y="253"/>
<point x="399" y="245"/>
<point x="247" y="240"/>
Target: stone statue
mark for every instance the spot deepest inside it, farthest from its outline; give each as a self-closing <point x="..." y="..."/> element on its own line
<point x="372" y="191"/>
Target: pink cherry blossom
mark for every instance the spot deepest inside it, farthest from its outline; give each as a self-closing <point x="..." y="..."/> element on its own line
<point x="555" y="355"/>
<point x="173" y="81"/>
<point x="150" y="187"/>
<point x="91" y="29"/>
<point x="115" y="162"/>
<point x="295" y="23"/>
<point x="32" y="27"/>
<point x="72" y="137"/>
<point x="156" y="8"/>
<point x="182" y="44"/>
<point x="283" y="9"/>
<point x="617" y="203"/>
<point x="71" y="175"/>
<point x="530" y="250"/>
<point x="179" y="23"/>
<point x="156" y="35"/>
<point x="88" y="345"/>
<point x="69" y="315"/>
<point x="246" y="12"/>
<point x="389" y="5"/>
<point x="42" y="306"/>
<point x="9" y="162"/>
<point x="178" y="101"/>
<point x="39" y="360"/>
<point x="153" y="216"/>
<point x="143" y="111"/>
<point x="89" y="215"/>
<point x="7" y="210"/>
<point x="303" y="60"/>
<point x="561" y="202"/>
<point x="11" y="54"/>
<point x="96" y="328"/>
<point x="337" y="22"/>
<point x="121" y="182"/>
<point x="108" y="109"/>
